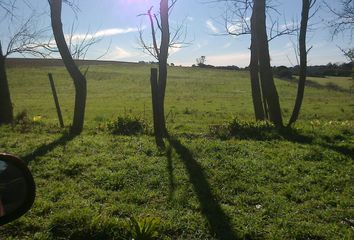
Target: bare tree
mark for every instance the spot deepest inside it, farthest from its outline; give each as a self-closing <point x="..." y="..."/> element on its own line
<point x="348" y="53"/>
<point x="264" y="93"/>
<point x="237" y="19"/>
<point x="79" y="45"/>
<point x="78" y="78"/>
<point x="7" y="6"/>
<point x="343" y="17"/>
<point x="160" y="50"/>
<point x="176" y="37"/>
<point x="242" y="19"/>
<point x="303" y="51"/>
<point x="260" y="109"/>
<point x="25" y="40"/>
<point x="265" y="71"/>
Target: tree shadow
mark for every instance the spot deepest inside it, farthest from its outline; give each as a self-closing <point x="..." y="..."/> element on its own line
<point x="289" y="134"/>
<point x="325" y="142"/>
<point x="347" y="151"/>
<point x="211" y="209"/>
<point x="294" y="136"/>
<point x="171" y="177"/>
<point x="46" y="148"/>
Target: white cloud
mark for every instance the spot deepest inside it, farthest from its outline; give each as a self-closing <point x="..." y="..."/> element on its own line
<point x="115" y="31"/>
<point x="176" y="48"/>
<point x="210" y="25"/>
<point x="238" y="27"/>
<point x="101" y="33"/>
<point x="119" y="53"/>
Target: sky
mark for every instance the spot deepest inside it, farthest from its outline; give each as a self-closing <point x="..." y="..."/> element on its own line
<point x="117" y="23"/>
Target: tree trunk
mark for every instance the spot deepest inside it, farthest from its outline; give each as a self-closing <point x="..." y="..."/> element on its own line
<point x="165" y="43"/>
<point x="78" y="78"/>
<point x="255" y="87"/>
<point x="155" y="109"/>
<point x="6" y="111"/>
<point x="268" y="86"/>
<point x="303" y="61"/>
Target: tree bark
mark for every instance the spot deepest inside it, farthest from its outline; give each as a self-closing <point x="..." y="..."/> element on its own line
<point x="163" y="56"/>
<point x="78" y="78"/>
<point x="155" y="109"/>
<point x="303" y="61"/>
<point x="254" y="74"/>
<point x="6" y="110"/>
<point x="266" y="75"/>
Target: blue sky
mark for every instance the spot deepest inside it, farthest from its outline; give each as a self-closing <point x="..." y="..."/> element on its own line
<point x="116" y="22"/>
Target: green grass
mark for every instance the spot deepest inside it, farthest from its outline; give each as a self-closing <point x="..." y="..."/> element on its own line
<point x="195" y="98"/>
<point x="297" y="185"/>
<point x="343" y="82"/>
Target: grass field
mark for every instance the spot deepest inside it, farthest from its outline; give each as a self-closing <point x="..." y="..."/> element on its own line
<point x="285" y="186"/>
<point x="343" y="82"/>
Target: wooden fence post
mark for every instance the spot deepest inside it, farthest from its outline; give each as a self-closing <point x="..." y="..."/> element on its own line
<point x="56" y="101"/>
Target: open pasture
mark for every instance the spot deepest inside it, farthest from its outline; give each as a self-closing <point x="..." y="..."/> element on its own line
<point x="195" y="97"/>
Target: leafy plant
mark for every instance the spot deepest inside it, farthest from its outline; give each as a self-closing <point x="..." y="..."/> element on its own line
<point x="83" y="224"/>
<point x="144" y="229"/>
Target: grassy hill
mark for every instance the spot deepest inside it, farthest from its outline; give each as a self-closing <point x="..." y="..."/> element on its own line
<point x="296" y="185"/>
<point x="194" y="98"/>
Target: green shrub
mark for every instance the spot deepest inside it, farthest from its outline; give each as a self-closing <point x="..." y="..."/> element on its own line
<point x="23" y="123"/>
<point x="219" y="131"/>
<point x="22" y="118"/>
<point x="245" y="130"/>
<point x="252" y="129"/>
<point x="127" y="126"/>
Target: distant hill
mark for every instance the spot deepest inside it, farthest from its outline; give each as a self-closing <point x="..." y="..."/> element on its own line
<point x="50" y="62"/>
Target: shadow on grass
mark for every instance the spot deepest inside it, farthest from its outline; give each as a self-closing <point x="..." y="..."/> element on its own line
<point x="211" y="209"/>
<point x="347" y="151"/>
<point x="296" y="137"/>
<point x="46" y="148"/>
<point x="330" y="86"/>
<point x="169" y="167"/>
<point x="256" y="131"/>
<point x="289" y="134"/>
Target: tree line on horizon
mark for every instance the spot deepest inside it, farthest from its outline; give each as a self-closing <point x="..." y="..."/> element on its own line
<point x="329" y="69"/>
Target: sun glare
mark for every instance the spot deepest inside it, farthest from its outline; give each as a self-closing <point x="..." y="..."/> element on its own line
<point x="139" y="1"/>
<point x="135" y="7"/>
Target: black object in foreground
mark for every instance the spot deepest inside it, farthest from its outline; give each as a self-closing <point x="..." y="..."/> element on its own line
<point x="17" y="188"/>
